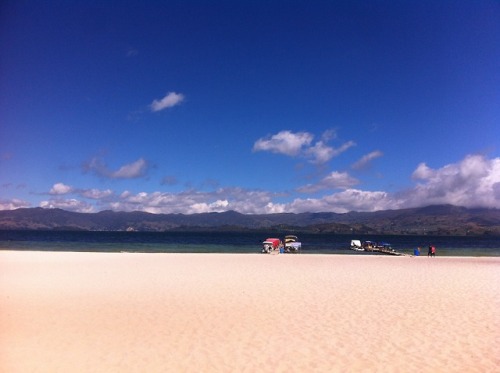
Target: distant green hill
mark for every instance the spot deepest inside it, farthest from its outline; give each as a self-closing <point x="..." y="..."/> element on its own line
<point x="432" y="220"/>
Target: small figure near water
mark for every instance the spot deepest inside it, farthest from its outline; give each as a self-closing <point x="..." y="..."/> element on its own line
<point x="432" y="251"/>
<point x="416" y="252"/>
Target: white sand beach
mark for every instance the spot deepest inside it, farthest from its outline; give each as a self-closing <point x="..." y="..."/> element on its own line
<point x="123" y="312"/>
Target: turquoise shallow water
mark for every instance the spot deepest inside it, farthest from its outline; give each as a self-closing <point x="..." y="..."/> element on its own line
<point x="232" y="242"/>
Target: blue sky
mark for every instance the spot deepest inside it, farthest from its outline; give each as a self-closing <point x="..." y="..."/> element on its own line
<point x="253" y="106"/>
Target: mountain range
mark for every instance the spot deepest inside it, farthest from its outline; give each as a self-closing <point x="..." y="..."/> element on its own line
<point x="431" y="220"/>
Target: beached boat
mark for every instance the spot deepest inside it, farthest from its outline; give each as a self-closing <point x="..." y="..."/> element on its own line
<point x="385" y="248"/>
<point x="270" y="245"/>
<point x="372" y="246"/>
<point x="292" y="244"/>
<point x="356" y="245"/>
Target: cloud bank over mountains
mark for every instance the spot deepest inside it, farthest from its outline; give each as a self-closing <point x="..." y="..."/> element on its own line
<point x="472" y="182"/>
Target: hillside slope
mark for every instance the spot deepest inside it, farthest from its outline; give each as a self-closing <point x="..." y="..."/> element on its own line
<point x="440" y="220"/>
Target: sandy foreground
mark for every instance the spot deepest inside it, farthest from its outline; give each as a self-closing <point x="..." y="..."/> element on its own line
<point x="123" y="312"/>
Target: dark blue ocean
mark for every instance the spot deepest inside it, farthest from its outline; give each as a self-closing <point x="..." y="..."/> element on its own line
<point x="232" y="242"/>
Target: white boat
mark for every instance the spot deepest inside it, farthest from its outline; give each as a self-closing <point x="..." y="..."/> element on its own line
<point x="292" y="245"/>
<point x="356" y="245"/>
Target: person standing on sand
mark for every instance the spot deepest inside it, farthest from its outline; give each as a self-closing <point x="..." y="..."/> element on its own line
<point x="429" y="252"/>
<point x="433" y="251"/>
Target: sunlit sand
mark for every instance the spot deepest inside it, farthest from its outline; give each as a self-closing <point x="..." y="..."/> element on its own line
<point x="109" y="312"/>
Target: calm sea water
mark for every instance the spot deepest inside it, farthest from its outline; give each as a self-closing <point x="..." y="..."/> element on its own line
<point x="232" y="242"/>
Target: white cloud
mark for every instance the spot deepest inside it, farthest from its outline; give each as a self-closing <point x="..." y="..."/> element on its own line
<point x="361" y="200"/>
<point x="284" y="142"/>
<point x="170" y="100"/>
<point x="274" y="208"/>
<point x="336" y="180"/>
<point x="473" y="182"/>
<point x="60" y="188"/>
<point x="366" y="160"/>
<point x="422" y="172"/>
<point x="96" y="193"/>
<point x="192" y="201"/>
<point x="13" y="204"/>
<point x="217" y="206"/>
<point x="68" y="204"/>
<point x="248" y="202"/>
<point x="322" y="153"/>
<point x="343" y="148"/>
<point x="132" y="170"/>
<point x="347" y="200"/>
<point x="301" y="144"/>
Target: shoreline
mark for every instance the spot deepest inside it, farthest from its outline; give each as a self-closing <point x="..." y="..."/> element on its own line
<point x="234" y="243"/>
<point x="185" y="312"/>
<point x="257" y="252"/>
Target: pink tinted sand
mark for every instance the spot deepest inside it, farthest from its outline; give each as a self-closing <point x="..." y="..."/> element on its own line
<point x="103" y="312"/>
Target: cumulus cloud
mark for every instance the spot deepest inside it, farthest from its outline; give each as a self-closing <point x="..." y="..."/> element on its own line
<point x="60" y="188"/>
<point x="170" y="100"/>
<point x="284" y="142"/>
<point x="347" y="200"/>
<point x="193" y="201"/>
<point x="13" y="204"/>
<point x="365" y="161"/>
<point x="472" y="182"/>
<point x="320" y="152"/>
<point x="132" y="170"/>
<point x="216" y="206"/>
<point x="336" y="180"/>
<point x="301" y="144"/>
<point x="68" y="204"/>
<point x="96" y="193"/>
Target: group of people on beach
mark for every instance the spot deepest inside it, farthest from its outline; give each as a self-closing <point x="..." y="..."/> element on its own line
<point x="430" y="253"/>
